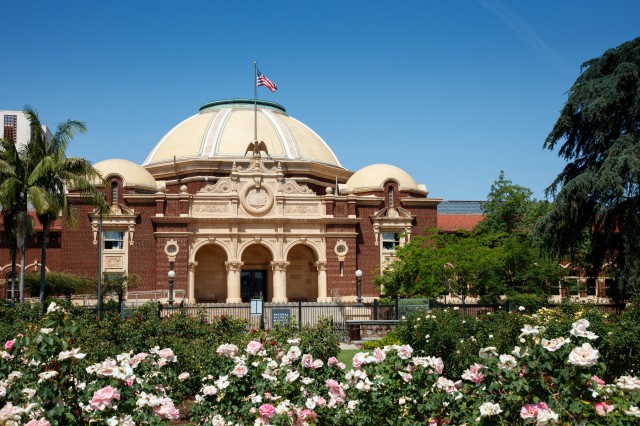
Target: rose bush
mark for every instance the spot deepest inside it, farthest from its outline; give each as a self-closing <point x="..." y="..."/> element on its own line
<point x="46" y="379"/>
<point x="50" y="372"/>
<point x="545" y="379"/>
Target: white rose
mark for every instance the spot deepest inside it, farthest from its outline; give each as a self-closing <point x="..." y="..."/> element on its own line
<point x="554" y="344"/>
<point x="628" y="383"/>
<point x="490" y="409"/>
<point x="584" y="356"/>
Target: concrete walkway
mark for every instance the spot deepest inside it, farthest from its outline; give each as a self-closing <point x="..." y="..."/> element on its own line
<point x="344" y="345"/>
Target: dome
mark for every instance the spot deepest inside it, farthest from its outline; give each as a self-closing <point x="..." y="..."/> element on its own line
<point x="223" y="130"/>
<point x="373" y="177"/>
<point x="133" y="175"/>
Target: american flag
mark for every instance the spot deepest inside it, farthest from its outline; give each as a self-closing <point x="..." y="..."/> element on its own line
<point x="264" y="81"/>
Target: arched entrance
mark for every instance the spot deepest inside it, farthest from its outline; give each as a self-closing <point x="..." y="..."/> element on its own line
<point x="302" y="275"/>
<point x="211" y="275"/>
<point x="255" y="277"/>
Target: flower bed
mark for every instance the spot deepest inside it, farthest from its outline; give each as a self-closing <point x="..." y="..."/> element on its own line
<point x="552" y="376"/>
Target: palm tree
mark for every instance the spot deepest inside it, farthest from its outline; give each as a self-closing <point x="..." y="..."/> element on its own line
<point x="9" y="211"/>
<point x="17" y="189"/>
<point x="54" y="173"/>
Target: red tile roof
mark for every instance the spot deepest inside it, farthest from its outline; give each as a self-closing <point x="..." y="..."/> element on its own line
<point x="455" y="222"/>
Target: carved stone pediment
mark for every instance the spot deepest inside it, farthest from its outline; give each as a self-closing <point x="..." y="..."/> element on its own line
<point x="291" y="187"/>
<point x="222" y="186"/>
<point x="392" y="213"/>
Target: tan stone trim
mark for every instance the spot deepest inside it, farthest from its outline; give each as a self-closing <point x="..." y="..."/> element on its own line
<point x="167" y="234"/>
<point x="409" y="201"/>
<point x="340" y="234"/>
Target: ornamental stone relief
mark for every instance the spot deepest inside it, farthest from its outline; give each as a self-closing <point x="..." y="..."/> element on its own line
<point x="113" y="262"/>
<point x="301" y="209"/>
<point x="210" y="208"/>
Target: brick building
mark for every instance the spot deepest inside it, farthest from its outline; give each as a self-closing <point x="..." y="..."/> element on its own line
<point x="232" y="218"/>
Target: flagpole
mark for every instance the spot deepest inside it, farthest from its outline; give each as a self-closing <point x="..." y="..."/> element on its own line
<point x="255" y="101"/>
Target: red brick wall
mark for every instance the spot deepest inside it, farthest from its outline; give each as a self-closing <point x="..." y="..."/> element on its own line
<point x="142" y="254"/>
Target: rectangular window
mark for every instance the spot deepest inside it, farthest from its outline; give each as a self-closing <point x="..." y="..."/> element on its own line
<point x="592" y="287"/>
<point x="390" y="241"/>
<point x="556" y="289"/>
<point x="114" y="240"/>
<point x="11" y="127"/>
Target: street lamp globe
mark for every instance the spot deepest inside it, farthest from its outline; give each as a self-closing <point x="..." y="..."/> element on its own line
<point x="171" y="274"/>
<point x="359" y="273"/>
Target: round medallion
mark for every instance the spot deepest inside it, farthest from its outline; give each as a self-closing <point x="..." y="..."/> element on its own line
<point x="256" y="201"/>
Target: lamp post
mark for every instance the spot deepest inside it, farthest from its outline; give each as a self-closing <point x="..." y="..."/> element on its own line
<point x="171" y="274"/>
<point x="359" y="286"/>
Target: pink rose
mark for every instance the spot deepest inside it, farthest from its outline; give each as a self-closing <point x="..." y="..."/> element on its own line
<point x="379" y="355"/>
<point x="307" y="361"/>
<point x="405" y="351"/>
<point x="267" y="411"/>
<point x="167" y="354"/>
<point x="308" y="415"/>
<point x="602" y="408"/>
<point x="598" y="381"/>
<point x="240" y="371"/>
<point x="358" y="360"/>
<point x="102" y="398"/>
<point x="332" y="361"/>
<point x="9" y="344"/>
<point x="529" y="411"/>
<point x="254" y="347"/>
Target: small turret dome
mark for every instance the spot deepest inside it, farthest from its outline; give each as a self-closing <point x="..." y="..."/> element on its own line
<point x="372" y="178"/>
<point x="132" y="174"/>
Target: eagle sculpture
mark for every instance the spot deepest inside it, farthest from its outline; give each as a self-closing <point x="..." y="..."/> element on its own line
<point x="257" y="147"/>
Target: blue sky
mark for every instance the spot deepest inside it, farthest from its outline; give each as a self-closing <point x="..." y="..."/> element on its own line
<point x="450" y="91"/>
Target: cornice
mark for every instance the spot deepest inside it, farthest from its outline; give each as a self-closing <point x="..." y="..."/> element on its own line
<point x="410" y="201"/>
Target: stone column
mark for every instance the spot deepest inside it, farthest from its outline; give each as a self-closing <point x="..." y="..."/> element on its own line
<point x="322" y="282"/>
<point x="279" y="281"/>
<point x="191" y="293"/>
<point x="233" y="281"/>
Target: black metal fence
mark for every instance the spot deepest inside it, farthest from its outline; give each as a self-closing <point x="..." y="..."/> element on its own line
<point x="309" y="313"/>
<point x="300" y="313"/>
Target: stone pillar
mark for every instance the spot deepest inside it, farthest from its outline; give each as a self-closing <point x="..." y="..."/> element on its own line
<point x="279" y="281"/>
<point x="191" y="285"/>
<point x="233" y="281"/>
<point x="322" y="282"/>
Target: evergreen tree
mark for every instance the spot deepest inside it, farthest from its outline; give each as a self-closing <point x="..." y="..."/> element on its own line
<point x="596" y="210"/>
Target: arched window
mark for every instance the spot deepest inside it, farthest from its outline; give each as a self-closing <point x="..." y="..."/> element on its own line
<point x="114" y="192"/>
<point x="390" y="198"/>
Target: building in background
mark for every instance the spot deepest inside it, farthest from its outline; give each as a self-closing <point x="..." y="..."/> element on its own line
<point x="16" y="127"/>
<point x="280" y="217"/>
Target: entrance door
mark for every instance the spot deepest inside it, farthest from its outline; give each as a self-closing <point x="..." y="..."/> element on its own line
<point x="253" y="284"/>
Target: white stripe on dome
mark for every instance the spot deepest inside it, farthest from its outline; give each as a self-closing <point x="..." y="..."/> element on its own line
<point x="159" y="144"/>
<point x="321" y="140"/>
<point x="297" y="154"/>
<point x="206" y="140"/>
<point x="285" y="142"/>
<point x="219" y="128"/>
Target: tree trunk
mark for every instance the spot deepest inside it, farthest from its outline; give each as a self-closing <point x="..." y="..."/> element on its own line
<point x="23" y="255"/>
<point x="13" y="278"/>
<point x="45" y="228"/>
